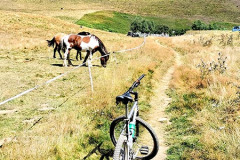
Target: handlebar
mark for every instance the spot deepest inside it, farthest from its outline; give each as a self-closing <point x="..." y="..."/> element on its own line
<point x="136" y="83"/>
<point x="141" y="77"/>
<point x="126" y="97"/>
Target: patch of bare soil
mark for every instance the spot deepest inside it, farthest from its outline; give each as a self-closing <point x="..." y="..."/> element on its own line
<point x="157" y="117"/>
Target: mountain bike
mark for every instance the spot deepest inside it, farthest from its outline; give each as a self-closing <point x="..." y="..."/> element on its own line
<point x="133" y="137"/>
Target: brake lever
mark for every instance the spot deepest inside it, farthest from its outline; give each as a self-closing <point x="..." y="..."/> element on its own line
<point x="137" y="84"/>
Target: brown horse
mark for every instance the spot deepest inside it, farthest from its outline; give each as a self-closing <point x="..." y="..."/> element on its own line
<point x="57" y="42"/>
<point x="88" y="43"/>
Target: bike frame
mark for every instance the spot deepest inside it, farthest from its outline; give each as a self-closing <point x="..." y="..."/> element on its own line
<point x="131" y="117"/>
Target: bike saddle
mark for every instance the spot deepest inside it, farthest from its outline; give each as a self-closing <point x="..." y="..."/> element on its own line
<point x="125" y="98"/>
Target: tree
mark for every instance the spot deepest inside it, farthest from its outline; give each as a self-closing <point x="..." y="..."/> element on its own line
<point x="136" y="25"/>
<point x="199" y="25"/>
<point x="145" y="27"/>
<point x="161" y="29"/>
<point x="142" y="25"/>
<point x="151" y="26"/>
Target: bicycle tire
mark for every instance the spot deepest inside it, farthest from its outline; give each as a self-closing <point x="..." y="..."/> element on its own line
<point x="118" y="148"/>
<point x="145" y="125"/>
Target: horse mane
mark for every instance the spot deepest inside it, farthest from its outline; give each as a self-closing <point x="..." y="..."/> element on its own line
<point x="84" y="33"/>
<point x="101" y="45"/>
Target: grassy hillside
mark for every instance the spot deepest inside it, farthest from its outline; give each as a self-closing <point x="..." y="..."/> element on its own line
<point x="120" y="22"/>
<point x="205" y="104"/>
<point x="113" y="21"/>
<point x="107" y="20"/>
<point x="178" y="11"/>
<point x="80" y="119"/>
<point x="205" y="97"/>
<point x="208" y="10"/>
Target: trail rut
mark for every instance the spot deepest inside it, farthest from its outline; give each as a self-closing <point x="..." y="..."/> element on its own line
<point x="159" y="103"/>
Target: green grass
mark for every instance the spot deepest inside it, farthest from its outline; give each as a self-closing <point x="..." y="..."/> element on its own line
<point x="113" y="21"/>
<point x="120" y="22"/>
<point x="183" y="135"/>
<point x="108" y="21"/>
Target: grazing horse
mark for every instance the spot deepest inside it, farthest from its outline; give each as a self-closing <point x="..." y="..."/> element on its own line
<point x="88" y="43"/>
<point x="57" y="42"/>
<point x="79" y="52"/>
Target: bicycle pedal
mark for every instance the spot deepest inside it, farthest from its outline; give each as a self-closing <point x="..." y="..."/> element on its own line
<point x="144" y="150"/>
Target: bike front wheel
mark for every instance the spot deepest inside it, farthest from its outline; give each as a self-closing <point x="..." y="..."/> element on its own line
<point x="120" y="152"/>
<point x="145" y="144"/>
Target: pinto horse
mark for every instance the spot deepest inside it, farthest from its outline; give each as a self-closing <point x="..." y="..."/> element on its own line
<point x="87" y="43"/>
<point x="56" y="40"/>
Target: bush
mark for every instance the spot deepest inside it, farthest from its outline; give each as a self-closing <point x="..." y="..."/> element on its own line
<point x="142" y="25"/>
<point x="199" y="25"/>
<point x="177" y="32"/>
<point x="136" y="25"/>
<point x="147" y="26"/>
<point x="161" y="29"/>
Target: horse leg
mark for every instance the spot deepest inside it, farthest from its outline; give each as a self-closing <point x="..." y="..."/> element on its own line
<point x="54" y="52"/>
<point x="65" y="57"/>
<point x="68" y="57"/>
<point x="85" y="59"/>
<point x="77" y="55"/>
<point x="80" y="55"/>
<point x="59" y="48"/>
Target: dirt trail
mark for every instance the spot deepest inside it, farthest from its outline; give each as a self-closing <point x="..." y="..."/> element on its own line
<point x="157" y="117"/>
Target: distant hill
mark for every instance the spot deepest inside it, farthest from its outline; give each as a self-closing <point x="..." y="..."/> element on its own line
<point x="120" y="22"/>
<point x="177" y="14"/>
<point x="113" y="21"/>
<point x="207" y="10"/>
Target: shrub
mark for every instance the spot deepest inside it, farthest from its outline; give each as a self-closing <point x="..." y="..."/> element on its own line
<point x="142" y="25"/>
<point x="136" y="25"/>
<point x="199" y="25"/>
<point x="147" y="26"/>
<point x="161" y="29"/>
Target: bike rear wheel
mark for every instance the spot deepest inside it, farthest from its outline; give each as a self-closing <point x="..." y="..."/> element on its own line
<point x="145" y="145"/>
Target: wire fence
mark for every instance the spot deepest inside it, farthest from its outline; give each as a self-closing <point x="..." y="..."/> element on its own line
<point x="8" y="140"/>
<point x="63" y="74"/>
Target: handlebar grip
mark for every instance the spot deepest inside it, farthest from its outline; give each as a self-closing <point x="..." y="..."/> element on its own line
<point x="141" y="77"/>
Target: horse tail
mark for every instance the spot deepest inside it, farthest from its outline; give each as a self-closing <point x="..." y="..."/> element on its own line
<point x="51" y="42"/>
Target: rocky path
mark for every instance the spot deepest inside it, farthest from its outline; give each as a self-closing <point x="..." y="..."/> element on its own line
<point x="157" y="117"/>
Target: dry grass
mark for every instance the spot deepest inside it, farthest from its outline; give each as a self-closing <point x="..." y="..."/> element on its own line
<point x="215" y="104"/>
<point x="81" y="119"/>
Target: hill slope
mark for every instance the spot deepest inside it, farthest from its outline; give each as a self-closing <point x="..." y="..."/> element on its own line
<point x="77" y="120"/>
<point x="205" y="105"/>
<point x="206" y="10"/>
<point x="113" y="21"/>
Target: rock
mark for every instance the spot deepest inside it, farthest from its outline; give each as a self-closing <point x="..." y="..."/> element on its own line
<point x="221" y="128"/>
<point x="7" y="140"/>
<point x="45" y="105"/>
<point x="7" y="111"/>
<point x="46" y="109"/>
<point x="162" y="120"/>
<point x="32" y="120"/>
